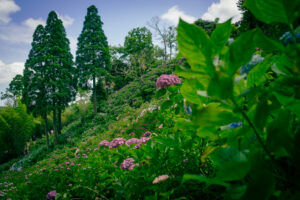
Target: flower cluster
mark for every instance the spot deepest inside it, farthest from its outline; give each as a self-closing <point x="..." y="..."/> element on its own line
<point x="116" y="142"/>
<point x="160" y="178"/>
<point x="51" y="195"/>
<point x="104" y="143"/>
<point x="164" y="81"/>
<point x="147" y="134"/>
<point x="132" y="141"/>
<point x="128" y="164"/>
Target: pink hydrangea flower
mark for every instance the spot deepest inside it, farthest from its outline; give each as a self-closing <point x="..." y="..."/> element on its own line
<point x="164" y="81"/>
<point x="128" y="164"/>
<point x="51" y="195"/>
<point x="160" y="178"/>
<point x="147" y="134"/>
<point x="137" y="146"/>
<point x="144" y="139"/>
<point x="116" y="142"/>
<point x="104" y="143"/>
<point x="132" y="141"/>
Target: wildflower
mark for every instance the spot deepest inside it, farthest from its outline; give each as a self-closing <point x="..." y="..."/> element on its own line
<point x="116" y="142"/>
<point x="72" y="164"/>
<point x="104" y="143"/>
<point x="132" y="141"/>
<point x="70" y="185"/>
<point x="137" y="146"/>
<point x="160" y="178"/>
<point x="67" y="157"/>
<point x="51" y="195"/>
<point x="67" y="163"/>
<point x="68" y="168"/>
<point x="164" y="81"/>
<point x="61" y="167"/>
<point x="122" y="131"/>
<point x="144" y="139"/>
<point x="160" y="126"/>
<point x="128" y="164"/>
<point x="147" y="134"/>
<point x="185" y="160"/>
<point x="44" y="169"/>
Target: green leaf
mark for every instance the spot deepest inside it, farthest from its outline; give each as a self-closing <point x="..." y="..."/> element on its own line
<point x="241" y="51"/>
<point x="221" y="35"/>
<point x="207" y="132"/>
<point x="257" y="75"/>
<point x="233" y="164"/>
<point x="280" y="134"/>
<point x="260" y="186"/>
<point x="195" y="45"/>
<point x="167" y="104"/>
<point x="220" y="86"/>
<point x="189" y="91"/>
<point x="208" y="181"/>
<point x="213" y="114"/>
<point x="266" y="43"/>
<point x="160" y="93"/>
<point x="270" y="11"/>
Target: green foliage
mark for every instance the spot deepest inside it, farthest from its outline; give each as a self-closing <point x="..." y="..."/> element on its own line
<point x="138" y="45"/>
<point x="221" y="134"/>
<point x="16" y="127"/>
<point x="92" y="53"/>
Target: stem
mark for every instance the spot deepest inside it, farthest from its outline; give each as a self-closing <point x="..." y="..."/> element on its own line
<point x="255" y="131"/>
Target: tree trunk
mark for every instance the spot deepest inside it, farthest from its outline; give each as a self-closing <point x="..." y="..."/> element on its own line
<point x="165" y="50"/>
<point x="94" y="95"/>
<point x="55" y="126"/>
<point x="59" y="121"/>
<point x="46" y="130"/>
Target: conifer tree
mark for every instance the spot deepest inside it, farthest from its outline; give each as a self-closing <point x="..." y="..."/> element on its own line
<point x="92" y="53"/>
<point x="60" y="69"/>
<point x="35" y="78"/>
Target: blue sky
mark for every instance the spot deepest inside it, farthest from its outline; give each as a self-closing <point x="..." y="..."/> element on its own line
<point x="18" y="19"/>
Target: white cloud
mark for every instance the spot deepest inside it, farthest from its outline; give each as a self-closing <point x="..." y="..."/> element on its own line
<point x="73" y="45"/>
<point x="66" y="19"/>
<point x="223" y="10"/>
<point x="33" y="23"/>
<point x="6" y="8"/>
<point x="9" y="71"/>
<point x="174" y="14"/>
<point x="15" y="33"/>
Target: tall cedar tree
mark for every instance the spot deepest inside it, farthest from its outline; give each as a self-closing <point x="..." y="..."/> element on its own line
<point x="60" y="69"/>
<point x="92" y="53"/>
<point x="35" y="78"/>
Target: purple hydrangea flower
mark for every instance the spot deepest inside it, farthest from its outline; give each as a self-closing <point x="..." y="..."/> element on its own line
<point x="164" y="81"/>
<point x="144" y="139"/>
<point x="128" y="164"/>
<point x="116" y="142"/>
<point x="51" y="195"/>
<point x="147" y="134"/>
<point x="132" y="141"/>
<point x="104" y="143"/>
